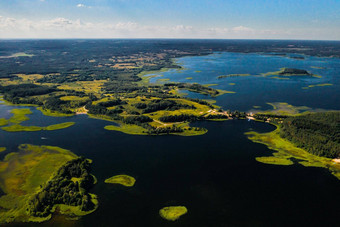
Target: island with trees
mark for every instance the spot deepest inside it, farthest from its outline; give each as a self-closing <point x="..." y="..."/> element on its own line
<point x="40" y="180"/>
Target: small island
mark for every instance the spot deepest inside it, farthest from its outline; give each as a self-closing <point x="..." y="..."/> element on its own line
<point x="290" y="72"/>
<point x="173" y="213"/>
<point x="124" y="180"/>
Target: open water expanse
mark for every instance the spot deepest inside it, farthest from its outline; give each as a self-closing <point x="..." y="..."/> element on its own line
<point x="215" y="175"/>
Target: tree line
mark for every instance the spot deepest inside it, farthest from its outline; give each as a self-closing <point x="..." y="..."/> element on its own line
<point x="61" y="189"/>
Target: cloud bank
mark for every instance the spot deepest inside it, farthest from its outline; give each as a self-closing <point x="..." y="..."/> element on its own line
<point x="67" y="28"/>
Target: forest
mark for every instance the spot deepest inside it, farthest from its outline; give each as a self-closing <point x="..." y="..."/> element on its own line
<point x="317" y="133"/>
<point x="70" y="186"/>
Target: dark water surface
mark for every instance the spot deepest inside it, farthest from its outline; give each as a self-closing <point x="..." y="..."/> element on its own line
<point x="215" y="175"/>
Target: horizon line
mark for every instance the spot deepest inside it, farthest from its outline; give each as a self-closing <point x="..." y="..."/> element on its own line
<point x="327" y="40"/>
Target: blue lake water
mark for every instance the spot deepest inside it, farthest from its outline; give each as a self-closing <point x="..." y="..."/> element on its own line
<point x="258" y="90"/>
<point x="215" y="175"/>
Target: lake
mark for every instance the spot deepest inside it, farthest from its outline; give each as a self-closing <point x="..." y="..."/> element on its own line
<point x="215" y="175"/>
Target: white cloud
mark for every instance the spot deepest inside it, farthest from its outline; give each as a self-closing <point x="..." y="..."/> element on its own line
<point x="242" y="29"/>
<point x="67" y="28"/>
<point x="83" y="6"/>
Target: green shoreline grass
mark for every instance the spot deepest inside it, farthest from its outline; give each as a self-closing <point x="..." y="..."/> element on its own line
<point x="19" y="116"/>
<point x="286" y="151"/>
<point x="22" y="173"/>
<point x="51" y="113"/>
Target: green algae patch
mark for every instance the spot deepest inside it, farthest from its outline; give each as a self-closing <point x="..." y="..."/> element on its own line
<point x="124" y="180"/>
<point x="163" y="80"/>
<point x="127" y="129"/>
<point x="3" y="122"/>
<point x="188" y="78"/>
<point x="2" y="149"/>
<point x="21" y="128"/>
<point x="274" y="161"/>
<point x="286" y="151"/>
<point x="232" y="84"/>
<point x="317" y="85"/>
<point x="172" y="213"/>
<point x="317" y="67"/>
<point x="59" y="126"/>
<point x="51" y="113"/>
<point x="282" y="108"/>
<point x="19" y="115"/>
<point x="279" y="78"/>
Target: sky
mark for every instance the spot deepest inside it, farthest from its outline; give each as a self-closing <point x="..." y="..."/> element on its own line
<point x="213" y="19"/>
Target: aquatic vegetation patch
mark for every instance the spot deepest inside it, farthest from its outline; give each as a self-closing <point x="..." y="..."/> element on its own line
<point x="2" y="149"/>
<point x="124" y="180"/>
<point x="163" y="80"/>
<point x="287" y="150"/>
<point x="282" y="108"/>
<point x="274" y="160"/>
<point x="188" y="78"/>
<point x="19" y="115"/>
<point x="127" y="128"/>
<point x="317" y="85"/>
<point x="3" y="122"/>
<point x="21" y="128"/>
<point x="58" y="126"/>
<point x="172" y="213"/>
<point x="317" y="67"/>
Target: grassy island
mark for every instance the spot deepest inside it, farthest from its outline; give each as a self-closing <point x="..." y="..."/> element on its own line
<point x="173" y="213"/>
<point x="124" y="180"/>
<point x="34" y="180"/>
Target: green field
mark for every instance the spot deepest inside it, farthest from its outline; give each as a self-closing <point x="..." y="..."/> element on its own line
<point x="22" y="173"/>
